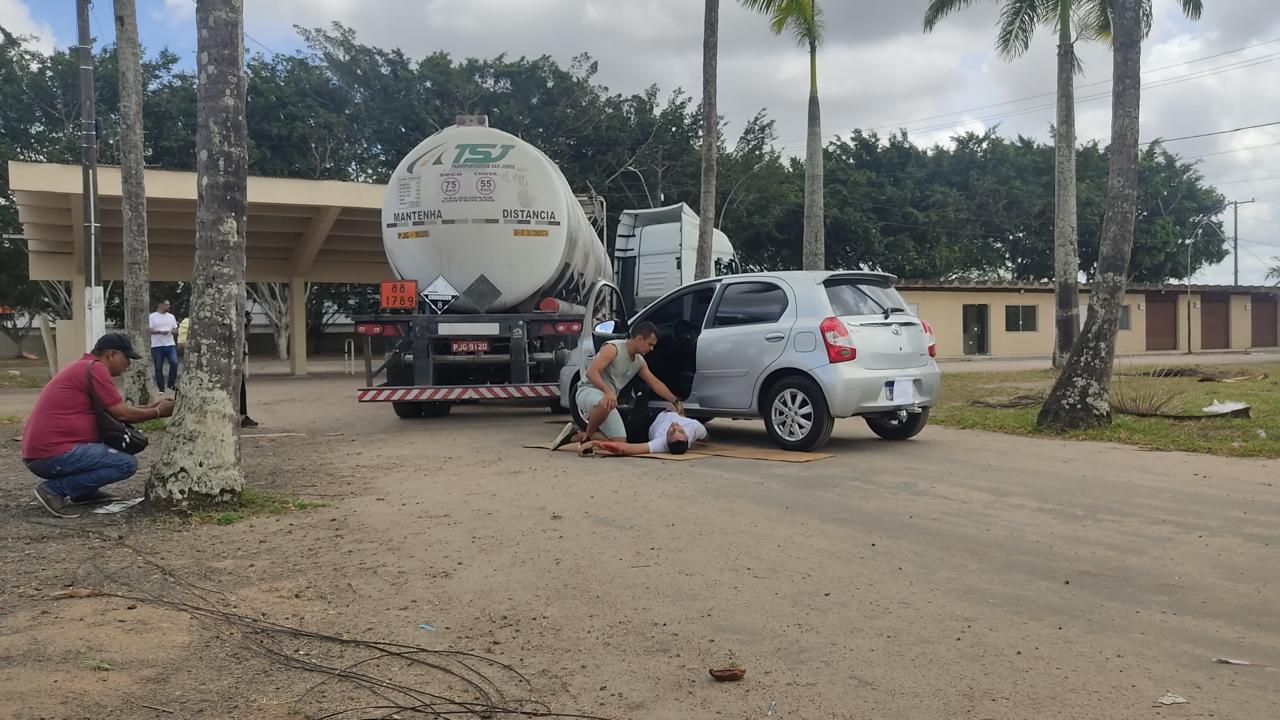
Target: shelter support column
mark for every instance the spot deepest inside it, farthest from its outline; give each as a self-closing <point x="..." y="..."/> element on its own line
<point x="298" y="326"/>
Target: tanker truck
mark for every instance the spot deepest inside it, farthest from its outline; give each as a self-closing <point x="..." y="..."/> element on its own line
<point x="493" y="257"/>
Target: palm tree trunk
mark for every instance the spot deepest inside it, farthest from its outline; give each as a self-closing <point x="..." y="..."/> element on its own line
<point x="814" y="257"/>
<point x="133" y="204"/>
<point x="1066" y="256"/>
<point x="1080" y="397"/>
<point x="200" y="456"/>
<point x="710" y="140"/>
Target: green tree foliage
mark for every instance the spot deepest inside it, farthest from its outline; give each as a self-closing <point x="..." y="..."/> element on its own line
<point x="979" y="207"/>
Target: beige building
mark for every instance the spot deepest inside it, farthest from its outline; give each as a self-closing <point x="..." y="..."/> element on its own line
<point x="1007" y="319"/>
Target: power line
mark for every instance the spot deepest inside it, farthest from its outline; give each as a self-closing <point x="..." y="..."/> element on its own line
<point x="1229" y="152"/>
<point x="1085" y="85"/>
<point x="1248" y="180"/>
<point x="1199" y="74"/>
<point x="1216" y="132"/>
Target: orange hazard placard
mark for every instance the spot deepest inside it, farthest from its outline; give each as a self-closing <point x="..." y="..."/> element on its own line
<point x="399" y="295"/>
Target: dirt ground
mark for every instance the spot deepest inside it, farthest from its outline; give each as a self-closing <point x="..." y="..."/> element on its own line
<point x="958" y="575"/>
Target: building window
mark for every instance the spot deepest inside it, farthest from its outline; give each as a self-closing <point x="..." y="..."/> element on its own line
<point x="1124" y="317"/>
<point x="1019" y="318"/>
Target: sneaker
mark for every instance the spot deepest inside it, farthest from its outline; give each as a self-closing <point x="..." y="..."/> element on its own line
<point x="565" y="437"/>
<point x="248" y="422"/>
<point x="55" y="504"/>
<point x="97" y="497"/>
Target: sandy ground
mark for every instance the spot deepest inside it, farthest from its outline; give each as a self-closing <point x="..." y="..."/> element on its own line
<point x="958" y="575"/>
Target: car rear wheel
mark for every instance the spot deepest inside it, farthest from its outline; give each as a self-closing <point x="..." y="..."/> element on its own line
<point x="894" y="427"/>
<point x="796" y="415"/>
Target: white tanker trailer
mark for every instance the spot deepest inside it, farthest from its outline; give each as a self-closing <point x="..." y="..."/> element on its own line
<point x="493" y="256"/>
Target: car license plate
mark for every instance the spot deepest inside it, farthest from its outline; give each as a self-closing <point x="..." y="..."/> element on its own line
<point x="901" y="390"/>
<point x="470" y="346"/>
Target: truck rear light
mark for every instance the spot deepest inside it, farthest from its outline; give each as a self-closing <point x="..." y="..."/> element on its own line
<point x="568" y="328"/>
<point x="379" y="329"/>
<point x="928" y="334"/>
<point x="839" y="344"/>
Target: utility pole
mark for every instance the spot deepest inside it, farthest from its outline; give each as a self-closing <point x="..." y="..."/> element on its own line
<point x="94" y="300"/>
<point x="1235" y="236"/>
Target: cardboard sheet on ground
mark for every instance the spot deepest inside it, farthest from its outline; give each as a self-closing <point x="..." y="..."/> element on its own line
<point x="703" y="450"/>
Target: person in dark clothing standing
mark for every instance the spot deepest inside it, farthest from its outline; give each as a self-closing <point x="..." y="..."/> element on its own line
<point x="245" y="420"/>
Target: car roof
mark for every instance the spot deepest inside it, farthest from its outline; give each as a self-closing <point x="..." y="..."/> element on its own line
<point x="815" y="276"/>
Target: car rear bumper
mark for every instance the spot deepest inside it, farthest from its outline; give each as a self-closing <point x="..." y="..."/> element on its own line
<point x="853" y="390"/>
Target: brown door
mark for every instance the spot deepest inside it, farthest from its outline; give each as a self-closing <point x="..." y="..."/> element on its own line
<point x="1162" y="322"/>
<point x="1215" y="322"/>
<point x="1264" y="320"/>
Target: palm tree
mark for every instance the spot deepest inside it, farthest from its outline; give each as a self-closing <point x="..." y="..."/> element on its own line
<point x="710" y="139"/>
<point x="200" y="458"/>
<point x="803" y="19"/>
<point x="1018" y="22"/>
<point x="1081" y="396"/>
<point x="133" y="202"/>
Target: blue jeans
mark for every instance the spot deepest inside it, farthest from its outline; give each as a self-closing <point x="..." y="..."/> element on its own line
<point x="83" y="469"/>
<point x="159" y="355"/>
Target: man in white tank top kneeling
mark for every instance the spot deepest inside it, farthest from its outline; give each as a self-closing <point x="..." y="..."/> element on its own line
<point x="613" y="367"/>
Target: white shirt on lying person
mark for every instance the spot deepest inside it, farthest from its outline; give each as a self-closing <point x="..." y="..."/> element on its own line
<point x="664" y="421"/>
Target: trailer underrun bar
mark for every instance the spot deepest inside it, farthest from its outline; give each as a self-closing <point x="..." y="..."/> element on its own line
<point x="534" y="391"/>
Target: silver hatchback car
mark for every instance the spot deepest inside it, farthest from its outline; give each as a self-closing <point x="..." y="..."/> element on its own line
<point x="798" y="349"/>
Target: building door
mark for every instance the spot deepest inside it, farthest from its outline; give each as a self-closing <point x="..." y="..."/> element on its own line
<point x="1162" y="322"/>
<point x="1263" y="309"/>
<point x="976" y="334"/>
<point x="1215" y="322"/>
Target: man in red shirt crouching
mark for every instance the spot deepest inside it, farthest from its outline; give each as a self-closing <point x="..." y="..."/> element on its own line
<point x="62" y="443"/>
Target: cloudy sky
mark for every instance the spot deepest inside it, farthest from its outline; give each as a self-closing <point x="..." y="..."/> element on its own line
<point x="877" y="70"/>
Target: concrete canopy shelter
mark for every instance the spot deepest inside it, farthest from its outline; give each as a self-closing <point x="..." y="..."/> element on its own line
<point x="299" y="231"/>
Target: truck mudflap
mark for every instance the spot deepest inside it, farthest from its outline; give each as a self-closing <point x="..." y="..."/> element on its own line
<point x="437" y="393"/>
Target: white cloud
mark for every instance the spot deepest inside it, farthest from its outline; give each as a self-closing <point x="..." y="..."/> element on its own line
<point x="17" y="19"/>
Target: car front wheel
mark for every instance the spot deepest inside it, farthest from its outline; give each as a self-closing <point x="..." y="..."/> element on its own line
<point x="894" y="427"/>
<point x="796" y="414"/>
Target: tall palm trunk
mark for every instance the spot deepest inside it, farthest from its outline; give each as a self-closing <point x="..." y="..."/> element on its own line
<point x="710" y="140"/>
<point x="200" y="458"/>
<point x="1066" y="254"/>
<point x="133" y="203"/>
<point x="814" y="246"/>
<point x="1080" y="397"/>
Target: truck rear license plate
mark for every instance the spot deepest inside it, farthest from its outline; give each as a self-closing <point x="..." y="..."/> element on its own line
<point x="470" y="346"/>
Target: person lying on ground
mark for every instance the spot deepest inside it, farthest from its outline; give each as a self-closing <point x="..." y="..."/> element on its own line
<point x="62" y="443"/>
<point x="670" y="432"/>
<point x="616" y="364"/>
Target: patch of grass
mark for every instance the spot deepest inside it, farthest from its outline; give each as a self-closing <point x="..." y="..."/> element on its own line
<point x="1258" y="436"/>
<point x="252" y="503"/>
<point x="97" y="665"/>
<point x="10" y="419"/>
<point x="150" y="426"/>
<point x="23" y="379"/>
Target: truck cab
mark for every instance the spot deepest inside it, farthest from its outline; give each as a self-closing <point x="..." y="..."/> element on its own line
<point x="656" y="251"/>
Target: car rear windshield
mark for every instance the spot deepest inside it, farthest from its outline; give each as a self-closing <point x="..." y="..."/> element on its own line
<point x="863" y="297"/>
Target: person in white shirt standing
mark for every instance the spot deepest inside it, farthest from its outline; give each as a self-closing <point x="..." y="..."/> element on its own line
<point x="164" y="347"/>
<point x="670" y="432"/>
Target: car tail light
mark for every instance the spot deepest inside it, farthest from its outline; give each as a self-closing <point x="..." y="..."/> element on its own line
<point x="839" y="344"/>
<point x="928" y="333"/>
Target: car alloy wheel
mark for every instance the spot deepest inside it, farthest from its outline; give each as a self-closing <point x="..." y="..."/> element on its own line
<point x="792" y="415"/>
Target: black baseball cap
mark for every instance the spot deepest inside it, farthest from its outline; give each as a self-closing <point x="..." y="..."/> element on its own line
<point x="117" y="341"/>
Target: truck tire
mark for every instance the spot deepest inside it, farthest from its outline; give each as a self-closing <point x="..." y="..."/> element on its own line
<point x="894" y="429"/>
<point x="796" y="415"/>
<point x="407" y="410"/>
<point x="554" y="406"/>
<point x="435" y="409"/>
